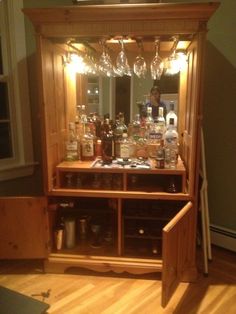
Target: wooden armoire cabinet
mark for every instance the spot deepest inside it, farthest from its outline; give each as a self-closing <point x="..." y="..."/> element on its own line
<point x="144" y="227"/>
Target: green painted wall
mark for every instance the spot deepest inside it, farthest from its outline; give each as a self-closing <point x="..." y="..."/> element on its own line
<point x="219" y="113"/>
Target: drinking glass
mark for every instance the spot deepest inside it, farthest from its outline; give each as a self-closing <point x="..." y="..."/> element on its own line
<point x="105" y="63"/>
<point x="157" y="64"/>
<point x="172" y="65"/>
<point x="140" y="67"/>
<point x="122" y="64"/>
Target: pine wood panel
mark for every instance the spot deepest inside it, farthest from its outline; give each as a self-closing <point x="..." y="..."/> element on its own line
<point x="194" y="11"/>
<point x="23" y="227"/>
<point x="133" y="20"/>
<point x="56" y="95"/>
<point x="176" y="261"/>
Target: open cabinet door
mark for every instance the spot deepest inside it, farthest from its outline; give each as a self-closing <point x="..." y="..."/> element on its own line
<point x="23" y="228"/>
<point x="175" y="254"/>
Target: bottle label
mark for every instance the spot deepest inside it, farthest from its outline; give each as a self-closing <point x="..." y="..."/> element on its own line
<point x="87" y="148"/>
<point x="160" y="163"/>
<point x="155" y="135"/>
<point x="171" y="140"/>
<point x="72" y="146"/>
<point x="72" y="150"/>
<point x="124" y="151"/>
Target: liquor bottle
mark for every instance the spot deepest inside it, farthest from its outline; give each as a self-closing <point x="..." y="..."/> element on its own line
<point x="136" y="127"/>
<point x="80" y="121"/>
<point x="160" y="120"/>
<point x="171" y="145"/>
<point x="107" y="143"/>
<point x="97" y="122"/>
<point x="155" y="134"/>
<point x="154" y="247"/>
<point x="142" y="148"/>
<point x="171" y="186"/>
<point x="124" y="147"/>
<point x="78" y="137"/>
<point x="149" y="119"/>
<point x="119" y="129"/>
<point x="91" y="124"/>
<point x="87" y="145"/>
<point x="171" y="114"/>
<point x="71" y="144"/>
<point x="160" y="159"/>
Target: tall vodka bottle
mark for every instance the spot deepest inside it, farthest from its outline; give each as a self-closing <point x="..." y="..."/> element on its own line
<point x="172" y="114"/>
<point x="171" y="139"/>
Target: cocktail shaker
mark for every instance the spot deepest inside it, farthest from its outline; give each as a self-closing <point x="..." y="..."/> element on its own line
<point x="70" y="232"/>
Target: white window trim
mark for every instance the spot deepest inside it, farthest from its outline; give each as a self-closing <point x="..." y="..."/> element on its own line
<point x="22" y="163"/>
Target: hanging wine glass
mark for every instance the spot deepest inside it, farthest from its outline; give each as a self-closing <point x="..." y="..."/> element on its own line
<point x="105" y="63"/>
<point x="172" y="64"/>
<point x="157" y="64"/>
<point x="90" y="65"/>
<point x="122" y="65"/>
<point x="140" y="67"/>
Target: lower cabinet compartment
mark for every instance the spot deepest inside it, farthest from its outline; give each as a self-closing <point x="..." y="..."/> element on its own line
<point x="143" y="221"/>
<point x="84" y="226"/>
<point x="125" y="228"/>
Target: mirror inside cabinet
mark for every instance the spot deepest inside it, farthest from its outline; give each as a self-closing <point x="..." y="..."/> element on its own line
<point x="116" y="74"/>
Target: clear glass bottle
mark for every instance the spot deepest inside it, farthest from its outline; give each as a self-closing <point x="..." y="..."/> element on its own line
<point x="160" y="120"/>
<point x="171" y="139"/>
<point x="125" y="147"/>
<point x="80" y="121"/>
<point x="160" y="159"/>
<point x="136" y="127"/>
<point x="88" y="145"/>
<point x="149" y="119"/>
<point x="155" y="133"/>
<point x="142" y="148"/>
<point x="171" y="114"/>
<point x="72" y="144"/>
<point x="119" y="129"/>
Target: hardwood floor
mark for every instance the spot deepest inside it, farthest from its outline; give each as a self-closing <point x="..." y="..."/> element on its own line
<point x="86" y="293"/>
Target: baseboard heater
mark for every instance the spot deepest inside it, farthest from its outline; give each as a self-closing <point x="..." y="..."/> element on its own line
<point x="223" y="237"/>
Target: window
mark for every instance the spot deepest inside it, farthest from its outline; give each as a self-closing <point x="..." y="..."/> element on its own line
<point x="16" y="153"/>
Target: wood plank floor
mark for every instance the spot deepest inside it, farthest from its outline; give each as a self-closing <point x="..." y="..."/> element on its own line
<point x="87" y="293"/>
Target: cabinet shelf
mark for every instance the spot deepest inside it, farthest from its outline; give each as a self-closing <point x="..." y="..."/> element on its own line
<point x="87" y="249"/>
<point x="134" y="236"/>
<point x="84" y="176"/>
<point x="159" y="218"/>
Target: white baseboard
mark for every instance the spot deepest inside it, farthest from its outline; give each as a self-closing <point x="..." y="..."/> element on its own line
<point x="223" y="237"/>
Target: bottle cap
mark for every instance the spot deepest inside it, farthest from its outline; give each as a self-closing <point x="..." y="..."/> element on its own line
<point x="172" y="105"/>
